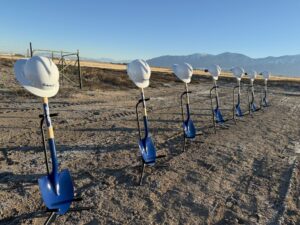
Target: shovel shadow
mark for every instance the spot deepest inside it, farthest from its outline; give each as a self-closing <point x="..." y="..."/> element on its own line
<point x="25" y="216"/>
<point x="68" y="148"/>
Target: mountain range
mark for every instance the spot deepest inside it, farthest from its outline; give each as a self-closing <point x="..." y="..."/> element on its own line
<point x="288" y="65"/>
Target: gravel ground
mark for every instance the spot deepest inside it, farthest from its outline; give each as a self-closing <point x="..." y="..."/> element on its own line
<point x="246" y="173"/>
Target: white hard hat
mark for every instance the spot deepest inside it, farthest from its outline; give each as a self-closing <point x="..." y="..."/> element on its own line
<point x="266" y="75"/>
<point x="215" y="71"/>
<point x="139" y="72"/>
<point x="39" y="75"/>
<point x="183" y="71"/>
<point x="252" y="74"/>
<point x="238" y="72"/>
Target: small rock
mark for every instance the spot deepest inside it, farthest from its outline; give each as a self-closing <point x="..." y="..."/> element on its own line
<point x="229" y="204"/>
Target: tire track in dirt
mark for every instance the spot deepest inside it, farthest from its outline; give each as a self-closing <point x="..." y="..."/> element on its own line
<point x="53" y="105"/>
<point x="174" y="139"/>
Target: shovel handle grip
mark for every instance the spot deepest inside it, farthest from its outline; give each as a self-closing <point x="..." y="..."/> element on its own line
<point x="51" y="115"/>
<point x="184" y="93"/>
<point x="214" y="87"/>
<point x="141" y="100"/>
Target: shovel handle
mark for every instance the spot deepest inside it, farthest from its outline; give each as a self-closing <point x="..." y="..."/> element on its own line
<point x="51" y="144"/>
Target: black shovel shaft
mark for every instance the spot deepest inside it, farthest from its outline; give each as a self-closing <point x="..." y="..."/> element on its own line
<point x="142" y="100"/>
<point x="31" y="51"/>
<point x="181" y="102"/>
<point x="44" y="145"/>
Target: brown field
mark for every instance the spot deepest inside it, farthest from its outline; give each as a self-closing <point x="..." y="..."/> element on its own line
<point x="247" y="173"/>
<point x="122" y="67"/>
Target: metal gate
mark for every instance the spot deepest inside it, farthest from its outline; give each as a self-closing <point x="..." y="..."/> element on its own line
<point x="68" y="64"/>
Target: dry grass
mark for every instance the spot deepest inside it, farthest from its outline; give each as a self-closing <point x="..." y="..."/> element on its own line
<point x="122" y="67"/>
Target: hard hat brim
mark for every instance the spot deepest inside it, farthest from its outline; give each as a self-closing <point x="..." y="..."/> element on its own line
<point x="187" y="81"/>
<point x="215" y="77"/>
<point x="20" y="76"/>
<point x="143" y="84"/>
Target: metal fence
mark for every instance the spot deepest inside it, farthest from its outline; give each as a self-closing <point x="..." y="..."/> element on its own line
<point x="67" y="62"/>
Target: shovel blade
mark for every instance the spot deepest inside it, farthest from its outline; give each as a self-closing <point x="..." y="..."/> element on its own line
<point x="189" y="129"/>
<point x="148" y="150"/>
<point x="253" y="107"/>
<point x="238" y="110"/>
<point x="218" y="115"/>
<point x="265" y="102"/>
<point x="64" y="198"/>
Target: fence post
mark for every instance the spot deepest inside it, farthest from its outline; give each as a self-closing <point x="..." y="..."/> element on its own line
<point x="31" y="53"/>
<point x="79" y="70"/>
<point x="62" y="68"/>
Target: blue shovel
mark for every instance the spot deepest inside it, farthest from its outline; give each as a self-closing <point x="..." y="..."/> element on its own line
<point x="217" y="111"/>
<point x="218" y="115"/>
<point x="253" y="107"/>
<point x="265" y="102"/>
<point x="57" y="187"/>
<point x="146" y="144"/>
<point x="188" y="125"/>
<point x="189" y="130"/>
<point x="238" y="110"/>
<point x="265" y="99"/>
<point x="251" y="103"/>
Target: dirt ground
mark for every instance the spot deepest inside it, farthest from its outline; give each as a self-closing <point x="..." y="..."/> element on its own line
<point x="246" y="173"/>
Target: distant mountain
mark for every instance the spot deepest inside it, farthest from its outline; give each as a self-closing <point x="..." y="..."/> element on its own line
<point x="283" y="65"/>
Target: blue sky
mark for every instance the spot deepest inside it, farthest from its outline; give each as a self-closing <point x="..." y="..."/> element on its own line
<point x="128" y="29"/>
